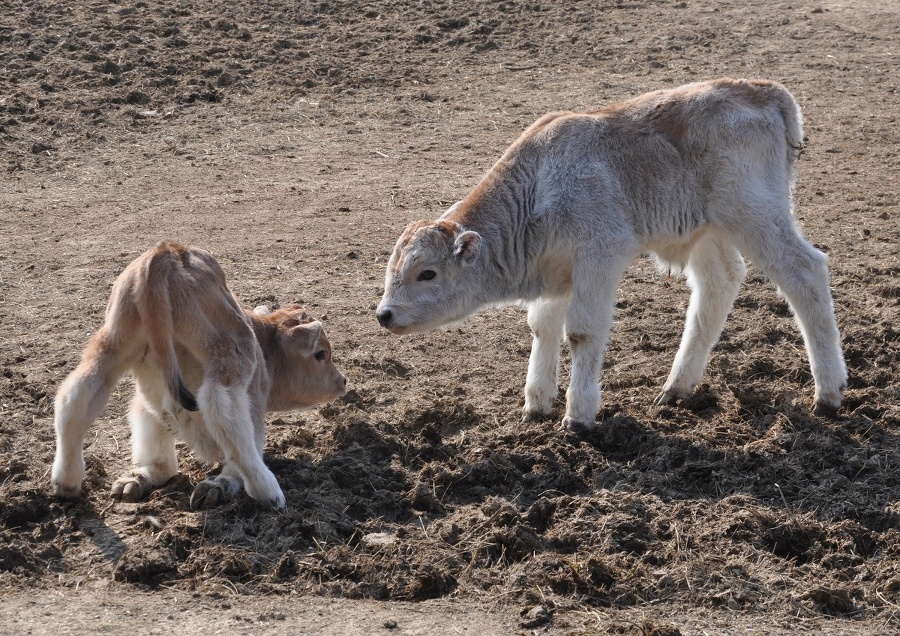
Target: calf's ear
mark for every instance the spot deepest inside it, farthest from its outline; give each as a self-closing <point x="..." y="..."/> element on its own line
<point x="305" y="336"/>
<point x="466" y="247"/>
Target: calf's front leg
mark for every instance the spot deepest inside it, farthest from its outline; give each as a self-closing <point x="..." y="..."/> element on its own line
<point x="546" y="319"/>
<point x="216" y="490"/>
<point x="152" y="453"/>
<point x="588" y="323"/>
<point x="229" y="420"/>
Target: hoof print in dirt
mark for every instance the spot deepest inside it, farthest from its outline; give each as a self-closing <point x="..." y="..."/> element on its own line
<point x="431" y="435"/>
<point x="423" y="498"/>
<point x="831" y="601"/>
<point x="649" y="628"/>
<point x="537" y="616"/>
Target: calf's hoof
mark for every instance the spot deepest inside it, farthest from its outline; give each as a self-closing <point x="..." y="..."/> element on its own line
<point x="208" y="494"/>
<point x="664" y="399"/>
<point x="529" y="417"/>
<point x="265" y="489"/>
<point x="277" y="501"/>
<point x="577" y="426"/>
<point x="66" y="478"/>
<point x="67" y="491"/>
<point x="670" y="396"/>
<point x="826" y="409"/>
<point x="130" y="488"/>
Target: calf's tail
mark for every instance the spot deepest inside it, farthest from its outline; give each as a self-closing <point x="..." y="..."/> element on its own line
<point x="154" y="305"/>
<point x="793" y="125"/>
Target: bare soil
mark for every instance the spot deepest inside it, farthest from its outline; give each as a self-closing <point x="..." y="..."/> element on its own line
<point x="295" y="141"/>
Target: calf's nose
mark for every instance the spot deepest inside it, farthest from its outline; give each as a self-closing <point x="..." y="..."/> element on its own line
<point x="384" y="317"/>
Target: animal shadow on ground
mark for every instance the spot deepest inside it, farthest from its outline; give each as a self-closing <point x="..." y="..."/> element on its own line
<point x="441" y="495"/>
<point x="418" y="508"/>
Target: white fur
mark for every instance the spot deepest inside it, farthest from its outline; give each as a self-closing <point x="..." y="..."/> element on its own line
<point x="697" y="176"/>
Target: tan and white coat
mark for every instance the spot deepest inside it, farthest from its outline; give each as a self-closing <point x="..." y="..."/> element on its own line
<point x="173" y="323"/>
<point x="698" y="176"/>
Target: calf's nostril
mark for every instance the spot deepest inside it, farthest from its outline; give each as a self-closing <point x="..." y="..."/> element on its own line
<point x="384" y="317"/>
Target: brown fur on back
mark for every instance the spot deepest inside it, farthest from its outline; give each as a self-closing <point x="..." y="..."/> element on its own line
<point x="174" y="324"/>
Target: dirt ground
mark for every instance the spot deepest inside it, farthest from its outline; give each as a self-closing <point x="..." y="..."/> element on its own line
<point x="295" y="141"/>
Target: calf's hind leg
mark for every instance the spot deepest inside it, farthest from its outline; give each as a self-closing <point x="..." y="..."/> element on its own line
<point x="79" y="401"/>
<point x="152" y="454"/>
<point x="801" y="273"/>
<point x="714" y="272"/>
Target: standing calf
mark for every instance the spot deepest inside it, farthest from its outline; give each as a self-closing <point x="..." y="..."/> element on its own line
<point x="697" y="175"/>
<point x="174" y="324"/>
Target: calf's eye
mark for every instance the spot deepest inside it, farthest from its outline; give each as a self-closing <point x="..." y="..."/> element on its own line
<point x="321" y="354"/>
<point x="427" y="274"/>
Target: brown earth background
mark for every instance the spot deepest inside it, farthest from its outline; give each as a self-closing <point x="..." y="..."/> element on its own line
<point x="295" y="141"/>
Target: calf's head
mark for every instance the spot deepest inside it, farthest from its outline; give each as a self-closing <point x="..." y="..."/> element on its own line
<point x="303" y="372"/>
<point x="431" y="277"/>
